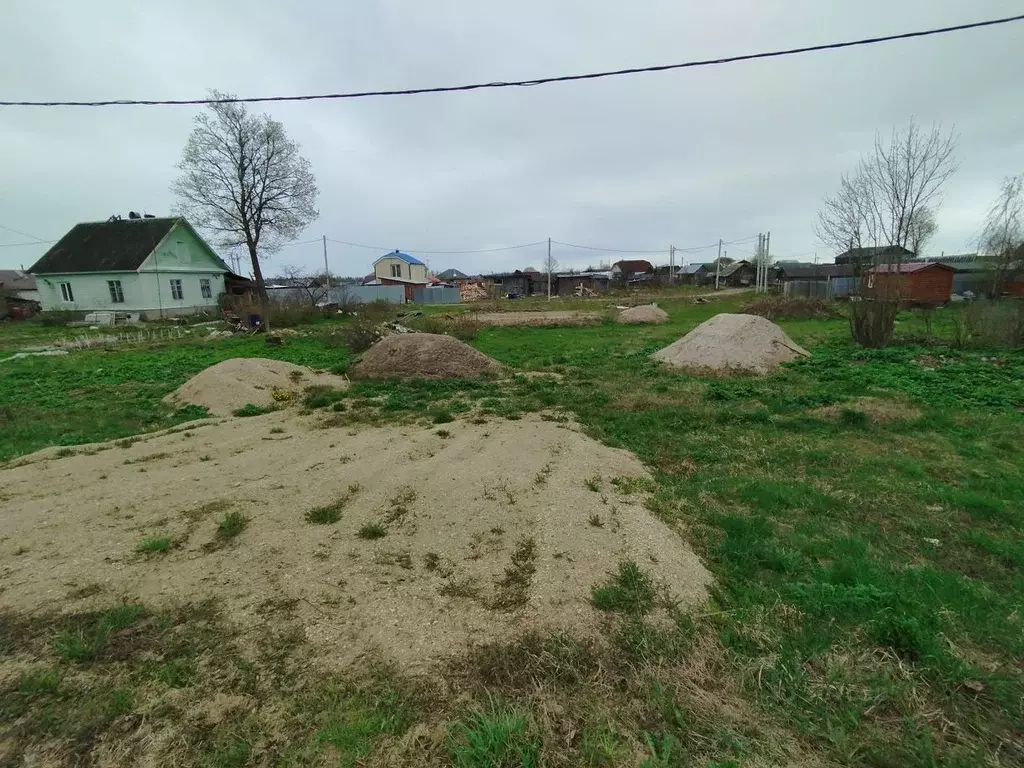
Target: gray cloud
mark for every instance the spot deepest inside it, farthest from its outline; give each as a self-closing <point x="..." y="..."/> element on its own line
<point x="640" y="162"/>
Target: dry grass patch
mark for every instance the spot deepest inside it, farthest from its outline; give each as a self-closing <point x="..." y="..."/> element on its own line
<point x="878" y="410"/>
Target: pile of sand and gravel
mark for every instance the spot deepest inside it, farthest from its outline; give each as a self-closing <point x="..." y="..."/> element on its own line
<point x="459" y="512"/>
<point x="648" y="314"/>
<point x="233" y="384"/>
<point x="729" y="342"/>
<point x="423" y="356"/>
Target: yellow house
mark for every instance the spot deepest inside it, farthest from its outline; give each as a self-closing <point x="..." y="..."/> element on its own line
<point x="398" y="267"/>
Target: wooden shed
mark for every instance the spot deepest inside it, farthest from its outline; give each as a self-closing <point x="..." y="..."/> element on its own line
<point x="924" y="283"/>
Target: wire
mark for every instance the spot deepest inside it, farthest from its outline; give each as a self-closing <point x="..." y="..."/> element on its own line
<point x="526" y="83"/>
<point x="26" y="234"/>
<point x="417" y="250"/>
<point x="34" y="242"/>
<point x="608" y="250"/>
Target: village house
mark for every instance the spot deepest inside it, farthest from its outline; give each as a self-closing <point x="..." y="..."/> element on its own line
<point x="397" y="268"/>
<point x="155" y="267"/>
<point x="630" y="269"/>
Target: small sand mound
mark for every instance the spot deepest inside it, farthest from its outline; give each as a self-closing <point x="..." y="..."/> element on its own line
<point x="877" y="409"/>
<point x="233" y="384"/>
<point x="648" y="314"/>
<point x="732" y="343"/>
<point x="423" y="356"/>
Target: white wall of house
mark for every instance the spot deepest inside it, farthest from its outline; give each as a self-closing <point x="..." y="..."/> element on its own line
<point x="152" y="289"/>
<point x="382" y="268"/>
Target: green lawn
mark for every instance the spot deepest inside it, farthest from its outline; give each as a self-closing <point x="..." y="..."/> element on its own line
<point x="868" y="605"/>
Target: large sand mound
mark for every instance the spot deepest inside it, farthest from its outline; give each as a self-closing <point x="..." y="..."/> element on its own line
<point x="232" y="384"/>
<point x="459" y="514"/>
<point x="732" y="343"/>
<point x="423" y="356"/>
<point x="648" y="314"/>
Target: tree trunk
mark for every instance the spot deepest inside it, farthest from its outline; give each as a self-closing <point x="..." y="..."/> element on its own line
<point x="261" y="288"/>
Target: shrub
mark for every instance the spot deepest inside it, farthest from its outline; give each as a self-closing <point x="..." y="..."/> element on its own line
<point x="989" y="323"/>
<point x="360" y="334"/>
<point x="872" y="321"/>
<point x="462" y="327"/>
<point x="58" y="317"/>
<point x="797" y="307"/>
<point x="283" y="314"/>
<point x="249" y="409"/>
<point x="377" y="312"/>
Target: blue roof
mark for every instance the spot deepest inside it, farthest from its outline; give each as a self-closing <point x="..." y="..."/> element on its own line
<point x="404" y="257"/>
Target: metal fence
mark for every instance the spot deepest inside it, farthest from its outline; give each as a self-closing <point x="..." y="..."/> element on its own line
<point x="830" y="288"/>
<point x="364" y="294"/>
<point x="437" y="294"/>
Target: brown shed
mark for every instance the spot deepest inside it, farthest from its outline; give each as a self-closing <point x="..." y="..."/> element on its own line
<point x="927" y="283"/>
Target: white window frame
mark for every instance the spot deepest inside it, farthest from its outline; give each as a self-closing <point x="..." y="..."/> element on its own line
<point x="205" y="289"/>
<point x="177" y="290"/>
<point x="116" y="291"/>
<point x="396" y="270"/>
<point x="66" y="294"/>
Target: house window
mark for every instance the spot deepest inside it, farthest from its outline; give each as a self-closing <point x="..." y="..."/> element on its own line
<point x="176" y="292"/>
<point x="871" y="280"/>
<point x="396" y="270"/>
<point x="65" y="292"/>
<point x="116" y="294"/>
<point x="204" y="288"/>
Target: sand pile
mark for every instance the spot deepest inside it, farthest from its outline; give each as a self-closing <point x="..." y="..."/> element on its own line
<point x="233" y="384"/>
<point x="648" y="314"/>
<point x="423" y="356"/>
<point x="456" y="513"/>
<point x="732" y="343"/>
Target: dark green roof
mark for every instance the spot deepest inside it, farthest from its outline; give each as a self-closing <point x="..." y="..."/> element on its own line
<point x="120" y="245"/>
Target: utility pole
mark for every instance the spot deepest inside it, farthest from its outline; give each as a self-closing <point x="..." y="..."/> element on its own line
<point x="548" y="269"/>
<point x="767" y="259"/>
<point x="671" y="264"/>
<point x="718" y="263"/>
<point x="327" y="270"/>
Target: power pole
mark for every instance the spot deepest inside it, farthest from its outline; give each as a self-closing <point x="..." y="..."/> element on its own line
<point x="767" y="259"/>
<point x="671" y="264"/>
<point x="718" y="263"/>
<point x="548" y="266"/>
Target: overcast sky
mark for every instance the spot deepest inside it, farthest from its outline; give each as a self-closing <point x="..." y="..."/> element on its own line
<point x="639" y="162"/>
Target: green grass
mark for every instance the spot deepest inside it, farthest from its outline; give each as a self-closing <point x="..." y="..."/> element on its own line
<point x="252" y="410"/>
<point x="85" y="643"/>
<point x="865" y="607"/>
<point x="155" y="546"/>
<point x="629" y="590"/>
<point x="231" y="525"/>
<point x="498" y="737"/>
<point x="372" y="531"/>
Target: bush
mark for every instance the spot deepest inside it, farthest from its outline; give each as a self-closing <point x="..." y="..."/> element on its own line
<point x="377" y="312"/>
<point x="989" y="323"/>
<point x="360" y="335"/>
<point x="872" y="321"/>
<point x="58" y="317"/>
<point x="283" y="314"/>
<point x="462" y="327"/>
<point x="798" y="307"/>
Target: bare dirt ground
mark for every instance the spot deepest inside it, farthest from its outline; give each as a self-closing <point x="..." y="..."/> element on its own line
<point x="564" y="317"/>
<point x="485" y="530"/>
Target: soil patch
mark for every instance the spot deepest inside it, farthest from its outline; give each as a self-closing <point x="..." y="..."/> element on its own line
<point x="648" y="314"/>
<point x="878" y="410"/>
<point x="732" y="343"/>
<point x="479" y="535"/>
<point x="538" y="318"/>
<point x="233" y="384"/>
<point x="423" y="356"/>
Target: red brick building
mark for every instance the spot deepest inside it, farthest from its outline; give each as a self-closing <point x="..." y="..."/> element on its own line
<point x="926" y="283"/>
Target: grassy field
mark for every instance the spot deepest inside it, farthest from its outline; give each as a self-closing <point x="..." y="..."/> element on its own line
<point x="862" y="512"/>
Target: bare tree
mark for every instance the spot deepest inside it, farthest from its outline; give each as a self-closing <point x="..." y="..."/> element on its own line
<point x="890" y="199"/>
<point x="312" y="288"/>
<point x="244" y="180"/>
<point x="922" y="229"/>
<point x="550" y="265"/>
<point x="1002" y="239"/>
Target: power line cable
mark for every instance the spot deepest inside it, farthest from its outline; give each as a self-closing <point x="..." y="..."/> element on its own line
<point x="34" y="242"/>
<point x="528" y="83"/>
<point x="26" y="234"/>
